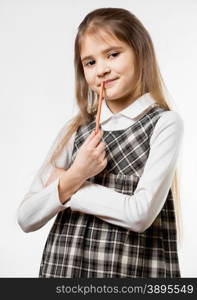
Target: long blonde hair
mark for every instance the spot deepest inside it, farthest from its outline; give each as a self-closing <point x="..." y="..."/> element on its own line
<point x="126" y="27"/>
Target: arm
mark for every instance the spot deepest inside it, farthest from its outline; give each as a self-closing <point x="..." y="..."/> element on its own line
<point x="53" y="186"/>
<point x="45" y="197"/>
<point x="137" y="212"/>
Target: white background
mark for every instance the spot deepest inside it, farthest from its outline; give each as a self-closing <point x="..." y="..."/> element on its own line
<point x="37" y="97"/>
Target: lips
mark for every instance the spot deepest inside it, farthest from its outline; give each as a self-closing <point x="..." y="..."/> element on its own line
<point x="108" y="81"/>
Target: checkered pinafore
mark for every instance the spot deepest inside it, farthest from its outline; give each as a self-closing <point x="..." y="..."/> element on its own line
<point x="82" y="245"/>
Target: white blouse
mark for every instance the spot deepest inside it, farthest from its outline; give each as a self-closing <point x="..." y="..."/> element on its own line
<point x="136" y="212"/>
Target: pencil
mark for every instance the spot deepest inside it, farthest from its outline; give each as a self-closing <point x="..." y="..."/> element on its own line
<point x="99" y="108"/>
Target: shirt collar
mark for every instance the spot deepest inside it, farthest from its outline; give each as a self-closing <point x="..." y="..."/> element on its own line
<point x="132" y="111"/>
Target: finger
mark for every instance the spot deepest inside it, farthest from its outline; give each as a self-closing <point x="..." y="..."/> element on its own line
<point x="88" y="139"/>
<point x="101" y="147"/>
<point x="102" y="157"/>
<point x="96" y="139"/>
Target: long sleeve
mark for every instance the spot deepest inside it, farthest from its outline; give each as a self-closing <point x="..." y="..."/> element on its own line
<point x="41" y="202"/>
<point x="137" y="212"/>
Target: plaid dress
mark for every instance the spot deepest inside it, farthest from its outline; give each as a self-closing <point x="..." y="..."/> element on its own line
<point x="82" y="245"/>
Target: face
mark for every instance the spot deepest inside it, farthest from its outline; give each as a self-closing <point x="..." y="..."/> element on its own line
<point x="107" y="58"/>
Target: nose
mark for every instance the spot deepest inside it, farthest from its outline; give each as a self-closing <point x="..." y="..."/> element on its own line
<point x="102" y="68"/>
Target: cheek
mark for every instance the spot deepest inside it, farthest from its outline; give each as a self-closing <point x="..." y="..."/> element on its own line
<point x="126" y="65"/>
<point x="89" y="76"/>
<point x="91" y="81"/>
<point x="129" y="72"/>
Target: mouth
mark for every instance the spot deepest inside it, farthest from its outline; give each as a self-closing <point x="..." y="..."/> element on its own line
<point x="108" y="82"/>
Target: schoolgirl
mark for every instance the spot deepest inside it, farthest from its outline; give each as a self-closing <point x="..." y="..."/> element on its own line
<point x="111" y="191"/>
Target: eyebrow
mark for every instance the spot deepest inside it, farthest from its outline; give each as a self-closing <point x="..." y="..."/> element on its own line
<point x="104" y="51"/>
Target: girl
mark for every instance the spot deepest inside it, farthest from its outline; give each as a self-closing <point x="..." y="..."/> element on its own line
<point x="111" y="191"/>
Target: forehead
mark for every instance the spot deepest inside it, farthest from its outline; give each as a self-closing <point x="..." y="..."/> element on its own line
<point x="99" y="41"/>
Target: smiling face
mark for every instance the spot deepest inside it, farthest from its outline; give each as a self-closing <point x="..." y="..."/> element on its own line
<point x="104" y="57"/>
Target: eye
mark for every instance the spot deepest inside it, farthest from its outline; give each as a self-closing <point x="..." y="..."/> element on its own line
<point x="114" y="54"/>
<point x="90" y="63"/>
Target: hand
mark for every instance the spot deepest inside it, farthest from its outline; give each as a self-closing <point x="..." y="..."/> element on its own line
<point x="90" y="159"/>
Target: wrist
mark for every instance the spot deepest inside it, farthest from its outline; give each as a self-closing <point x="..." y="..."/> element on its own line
<point x="69" y="183"/>
<point x="76" y="175"/>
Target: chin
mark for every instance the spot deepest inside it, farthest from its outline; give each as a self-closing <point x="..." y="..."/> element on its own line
<point x="112" y="96"/>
